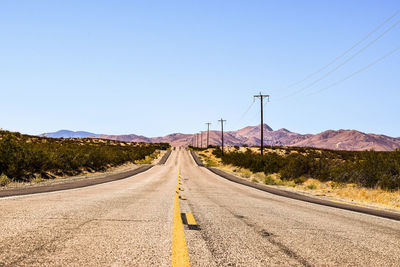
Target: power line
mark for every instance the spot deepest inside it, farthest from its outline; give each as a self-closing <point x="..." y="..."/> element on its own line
<point x="356" y="72"/>
<point x="257" y="114"/>
<point x="244" y="114"/>
<point x="341" y="64"/>
<point x="345" y="52"/>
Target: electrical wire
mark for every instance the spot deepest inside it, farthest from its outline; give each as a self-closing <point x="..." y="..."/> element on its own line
<point x="244" y="114"/>
<point x="258" y="113"/>
<point x="341" y="64"/>
<point x="357" y="72"/>
<point x="345" y="52"/>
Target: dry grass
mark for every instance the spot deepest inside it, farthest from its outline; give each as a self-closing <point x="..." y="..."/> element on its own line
<point x="150" y="158"/>
<point x="37" y="180"/>
<point x="352" y="193"/>
<point x="278" y="151"/>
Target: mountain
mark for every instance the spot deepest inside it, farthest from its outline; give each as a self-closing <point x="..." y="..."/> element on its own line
<point x="250" y="135"/>
<point x="331" y="139"/>
<point x="69" y="134"/>
<point x="127" y="138"/>
<point x="351" y="140"/>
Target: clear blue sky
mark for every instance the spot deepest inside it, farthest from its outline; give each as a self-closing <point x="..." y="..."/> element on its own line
<point x="158" y="67"/>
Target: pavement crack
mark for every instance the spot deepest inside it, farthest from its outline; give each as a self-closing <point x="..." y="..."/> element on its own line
<point x="269" y="237"/>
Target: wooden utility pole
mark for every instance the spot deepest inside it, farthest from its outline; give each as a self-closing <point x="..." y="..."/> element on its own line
<point x="261" y="96"/>
<point x="201" y="139"/>
<point x="222" y="134"/>
<point x="208" y="133"/>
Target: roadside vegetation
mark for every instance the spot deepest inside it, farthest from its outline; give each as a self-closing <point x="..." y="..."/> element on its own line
<point x="369" y="169"/>
<point x="368" y="176"/>
<point x="25" y="158"/>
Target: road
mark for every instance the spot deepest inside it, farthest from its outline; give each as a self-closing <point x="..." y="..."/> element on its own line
<point x="136" y="222"/>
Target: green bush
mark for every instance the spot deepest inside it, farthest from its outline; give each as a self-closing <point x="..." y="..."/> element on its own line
<point x="299" y="180"/>
<point x="22" y="156"/>
<point x="312" y="186"/>
<point x="295" y="166"/>
<point x="4" y="180"/>
<point x="269" y="180"/>
<point x="365" y="168"/>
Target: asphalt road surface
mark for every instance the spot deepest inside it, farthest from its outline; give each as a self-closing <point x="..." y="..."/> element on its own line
<point x="136" y="222"/>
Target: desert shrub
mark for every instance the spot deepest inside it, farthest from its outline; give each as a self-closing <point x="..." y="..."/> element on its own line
<point x="312" y="186"/>
<point x="269" y="180"/>
<point x="295" y="166"/>
<point x="4" y="180"/>
<point x="389" y="182"/>
<point x="198" y="148"/>
<point x="365" y="168"/>
<point x="210" y="163"/>
<point x="246" y="173"/>
<point x="299" y="180"/>
<point x="21" y="156"/>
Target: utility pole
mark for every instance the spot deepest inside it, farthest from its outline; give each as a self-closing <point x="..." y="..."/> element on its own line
<point x="222" y="134"/>
<point x="261" y="96"/>
<point x="201" y="139"/>
<point x="197" y="140"/>
<point x="208" y="132"/>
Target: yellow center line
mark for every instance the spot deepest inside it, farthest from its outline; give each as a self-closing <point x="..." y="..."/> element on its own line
<point x="180" y="256"/>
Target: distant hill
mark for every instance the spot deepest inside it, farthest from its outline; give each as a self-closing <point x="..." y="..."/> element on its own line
<point x="69" y="134"/>
<point x="127" y="138"/>
<point x="351" y="140"/>
<point x="250" y="135"/>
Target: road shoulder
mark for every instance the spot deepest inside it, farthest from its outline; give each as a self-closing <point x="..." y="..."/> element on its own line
<point x="298" y="196"/>
<point x="74" y="182"/>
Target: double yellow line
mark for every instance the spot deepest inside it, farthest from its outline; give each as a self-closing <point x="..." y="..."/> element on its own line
<point x="180" y="256"/>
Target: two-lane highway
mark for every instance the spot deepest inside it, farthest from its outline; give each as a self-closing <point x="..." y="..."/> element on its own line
<point x="133" y="222"/>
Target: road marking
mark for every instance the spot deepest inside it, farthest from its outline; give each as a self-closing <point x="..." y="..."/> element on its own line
<point x="180" y="256"/>
<point x="191" y="222"/>
<point x="190" y="219"/>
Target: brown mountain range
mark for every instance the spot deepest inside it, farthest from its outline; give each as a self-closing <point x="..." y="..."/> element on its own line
<point x="341" y="139"/>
